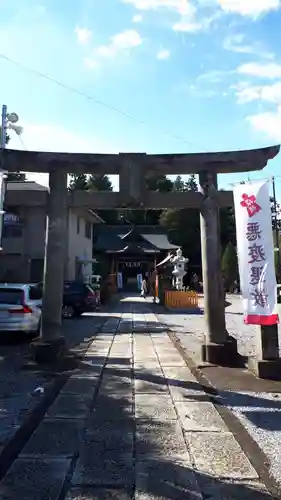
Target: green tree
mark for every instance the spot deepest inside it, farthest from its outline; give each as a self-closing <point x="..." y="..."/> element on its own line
<point x="191" y="184"/>
<point x="154" y="182"/>
<point x="183" y="228"/>
<point x="86" y="182"/>
<point x="99" y="183"/>
<point x="230" y="265"/>
<point x="159" y="182"/>
<point x="103" y="183"/>
<point x="78" y="182"/>
<point x="227" y="226"/>
<point x="181" y="233"/>
<point x="179" y="184"/>
<point x="275" y="214"/>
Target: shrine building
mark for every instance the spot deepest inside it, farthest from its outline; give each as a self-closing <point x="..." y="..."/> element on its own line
<point x="131" y="250"/>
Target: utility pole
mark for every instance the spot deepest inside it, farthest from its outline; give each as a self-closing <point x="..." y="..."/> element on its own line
<point x="3" y="130"/>
<point x="2" y="165"/>
<point x="8" y="120"/>
<point x="276" y="228"/>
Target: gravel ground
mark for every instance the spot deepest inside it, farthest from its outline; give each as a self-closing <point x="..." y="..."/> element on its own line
<point x="194" y="326"/>
<point x="260" y="413"/>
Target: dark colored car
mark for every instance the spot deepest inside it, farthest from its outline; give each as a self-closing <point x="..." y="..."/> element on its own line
<point x="78" y="298"/>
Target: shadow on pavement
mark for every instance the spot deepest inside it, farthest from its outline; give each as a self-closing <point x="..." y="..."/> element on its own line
<point x="123" y="452"/>
<point x="142" y="458"/>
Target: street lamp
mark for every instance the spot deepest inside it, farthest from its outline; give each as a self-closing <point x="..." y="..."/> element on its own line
<point x="8" y="121"/>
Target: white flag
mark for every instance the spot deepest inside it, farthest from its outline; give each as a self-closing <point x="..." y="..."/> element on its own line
<point x="256" y="253"/>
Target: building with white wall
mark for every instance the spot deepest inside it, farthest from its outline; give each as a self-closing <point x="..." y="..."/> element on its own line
<point x="24" y="236"/>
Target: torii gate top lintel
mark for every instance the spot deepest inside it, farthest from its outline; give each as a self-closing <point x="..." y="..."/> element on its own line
<point x="169" y="164"/>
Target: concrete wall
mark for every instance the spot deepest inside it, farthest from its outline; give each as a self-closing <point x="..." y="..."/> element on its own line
<point x="80" y="247"/>
<point x="23" y="257"/>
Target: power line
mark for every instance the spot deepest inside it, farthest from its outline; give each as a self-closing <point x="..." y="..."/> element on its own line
<point x="91" y="98"/>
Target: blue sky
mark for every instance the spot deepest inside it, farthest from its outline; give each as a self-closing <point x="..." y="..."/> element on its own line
<point x="199" y="75"/>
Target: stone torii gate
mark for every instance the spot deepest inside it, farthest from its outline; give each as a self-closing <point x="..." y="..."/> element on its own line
<point x="133" y="168"/>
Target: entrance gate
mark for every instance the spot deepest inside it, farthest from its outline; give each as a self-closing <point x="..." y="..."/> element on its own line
<point x="133" y="168"/>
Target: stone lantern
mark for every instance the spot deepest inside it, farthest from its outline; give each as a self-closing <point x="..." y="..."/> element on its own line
<point x="179" y="271"/>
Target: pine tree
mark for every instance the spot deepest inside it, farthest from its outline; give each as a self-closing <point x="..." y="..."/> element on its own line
<point x="179" y="184"/>
<point x="191" y="184"/>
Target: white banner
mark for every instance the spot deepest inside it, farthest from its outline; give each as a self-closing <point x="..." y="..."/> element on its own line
<point x="256" y="253"/>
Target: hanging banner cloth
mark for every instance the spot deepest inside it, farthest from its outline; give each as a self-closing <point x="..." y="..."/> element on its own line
<point x="255" y="251"/>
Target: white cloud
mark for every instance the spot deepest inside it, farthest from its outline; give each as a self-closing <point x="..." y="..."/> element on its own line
<point x="84" y="35"/>
<point x="123" y="41"/>
<point x="268" y="123"/>
<point x="236" y="43"/>
<point x="137" y="18"/>
<point x="181" y="6"/>
<point x="163" y="54"/>
<point x="214" y="76"/>
<point x="269" y="93"/>
<point x="187" y="27"/>
<point x="189" y="23"/>
<point x="252" y="8"/>
<point x="186" y="10"/>
<point x="268" y="70"/>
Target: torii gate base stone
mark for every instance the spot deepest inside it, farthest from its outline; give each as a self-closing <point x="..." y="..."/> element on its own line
<point x="219" y="348"/>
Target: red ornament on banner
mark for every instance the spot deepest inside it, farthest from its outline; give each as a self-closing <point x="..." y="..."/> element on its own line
<point x="250" y="203"/>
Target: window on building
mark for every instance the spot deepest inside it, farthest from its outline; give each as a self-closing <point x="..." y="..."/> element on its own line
<point x="88" y="230"/>
<point x="78" y="225"/>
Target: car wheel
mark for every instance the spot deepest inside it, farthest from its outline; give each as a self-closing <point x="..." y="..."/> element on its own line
<point x="68" y="312"/>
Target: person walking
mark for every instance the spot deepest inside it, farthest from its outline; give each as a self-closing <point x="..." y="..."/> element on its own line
<point x="143" y="288"/>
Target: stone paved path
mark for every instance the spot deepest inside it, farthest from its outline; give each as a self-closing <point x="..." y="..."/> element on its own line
<point x="258" y="408"/>
<point x="132" y="423"/>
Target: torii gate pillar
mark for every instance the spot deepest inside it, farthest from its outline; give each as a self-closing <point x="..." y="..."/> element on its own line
<point x="51" y="343"/>
<point x="219" y="347"/>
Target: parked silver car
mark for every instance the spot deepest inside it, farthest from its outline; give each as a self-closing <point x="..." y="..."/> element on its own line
<point x="20" y="308"/>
